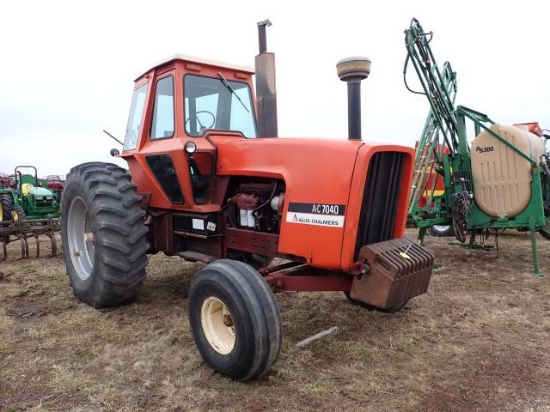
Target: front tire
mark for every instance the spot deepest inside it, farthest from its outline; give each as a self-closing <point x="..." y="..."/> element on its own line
<point x="103" y="235"/>
<point x="235" y="319"/>
<point x="19" y="212"/>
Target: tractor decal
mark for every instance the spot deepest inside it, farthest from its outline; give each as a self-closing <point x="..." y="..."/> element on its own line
<point x="318" y="214"/>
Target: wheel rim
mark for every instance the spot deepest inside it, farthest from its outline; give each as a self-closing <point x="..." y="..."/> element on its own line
<point x="80" y="238"/>
<point x="218" y="326"/>
<point x="441" y="228"/>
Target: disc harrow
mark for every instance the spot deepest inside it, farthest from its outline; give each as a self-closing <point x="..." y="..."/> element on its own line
<point x="23" y="230"/>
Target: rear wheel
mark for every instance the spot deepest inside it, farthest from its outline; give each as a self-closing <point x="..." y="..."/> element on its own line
<point x="235" y="319"/>
<point x="103" y="235"/>
<point x="6" y="206"/>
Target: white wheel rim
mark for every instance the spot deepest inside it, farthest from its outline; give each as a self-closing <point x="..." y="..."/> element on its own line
<point x="217" y="324"/>
<point x="441" y="228"/>
<point x="80" y="239"/>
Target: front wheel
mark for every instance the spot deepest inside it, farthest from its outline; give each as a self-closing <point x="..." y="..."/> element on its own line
<point x="103" y="235"/>
<point x="235" y="319"/>
<point x="19" y="213"/>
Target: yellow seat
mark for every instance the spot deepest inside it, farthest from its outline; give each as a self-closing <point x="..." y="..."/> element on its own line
<point x="25" y="188"/>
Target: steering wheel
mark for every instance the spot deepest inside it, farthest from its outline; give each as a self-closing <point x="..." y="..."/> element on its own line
<point x="205" y="119"/>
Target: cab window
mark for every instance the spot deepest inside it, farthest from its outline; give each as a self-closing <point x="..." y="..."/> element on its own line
<point x="136" y="115"/>
<point x="217" y="103"/>
<point x="162" y="125"/>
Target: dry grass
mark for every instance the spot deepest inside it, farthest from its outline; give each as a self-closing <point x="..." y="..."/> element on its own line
<point x="476" y="342"/>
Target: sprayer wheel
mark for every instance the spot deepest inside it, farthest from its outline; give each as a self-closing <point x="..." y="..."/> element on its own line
<point x="441" y="230"/>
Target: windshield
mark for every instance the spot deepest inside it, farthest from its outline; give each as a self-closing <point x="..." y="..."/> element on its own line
<point x="217" y="103"/>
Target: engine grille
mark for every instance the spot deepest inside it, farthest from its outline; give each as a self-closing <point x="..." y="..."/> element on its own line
<point x="380" y="199"/>
<point x="45" y="203"/>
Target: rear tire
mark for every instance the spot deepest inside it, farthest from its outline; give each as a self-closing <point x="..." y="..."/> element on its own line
<point x="103" y="234"/>
<point x="6" y="204"/>
<point x="235" y="319"/>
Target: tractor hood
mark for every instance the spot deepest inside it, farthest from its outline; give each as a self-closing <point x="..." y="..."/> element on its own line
<point x="326" y="166"/>
<point x="324" y="162"/>
<point x="324" y="185"/>
<point x="40" y="191"/>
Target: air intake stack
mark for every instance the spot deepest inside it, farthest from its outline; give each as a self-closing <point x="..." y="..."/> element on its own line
<point x="353" y="70"/>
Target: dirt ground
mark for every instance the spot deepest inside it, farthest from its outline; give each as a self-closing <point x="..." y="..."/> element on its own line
<point x="477" y="341"/>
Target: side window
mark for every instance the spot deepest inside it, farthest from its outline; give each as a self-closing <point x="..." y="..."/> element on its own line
<point x="134" y="121"/>
<point x="163" y="111"/>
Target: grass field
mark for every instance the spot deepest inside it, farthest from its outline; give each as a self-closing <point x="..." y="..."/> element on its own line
<point x="477" y="341"/>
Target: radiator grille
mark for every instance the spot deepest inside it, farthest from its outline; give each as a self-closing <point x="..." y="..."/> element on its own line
<point x="380" y="199"/>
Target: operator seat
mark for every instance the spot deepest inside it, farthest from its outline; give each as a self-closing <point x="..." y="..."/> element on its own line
<point x="25" y="187"/>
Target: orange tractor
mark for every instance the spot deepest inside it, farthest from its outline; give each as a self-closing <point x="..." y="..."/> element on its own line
<point x="209" y="181"/>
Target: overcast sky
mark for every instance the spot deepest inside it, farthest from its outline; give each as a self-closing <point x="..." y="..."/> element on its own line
<point x="68" y="66"/>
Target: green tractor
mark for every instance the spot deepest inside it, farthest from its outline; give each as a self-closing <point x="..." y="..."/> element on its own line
<point x="28" y="209"/>
<point x="27" y="198"/>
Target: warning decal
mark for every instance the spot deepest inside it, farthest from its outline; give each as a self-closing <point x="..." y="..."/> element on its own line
<point x="317" y="214"/>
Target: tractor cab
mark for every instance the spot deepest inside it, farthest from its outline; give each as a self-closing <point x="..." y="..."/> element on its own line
<point x="188" y="96"/>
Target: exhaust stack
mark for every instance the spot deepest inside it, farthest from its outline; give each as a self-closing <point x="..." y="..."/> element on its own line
<point x="266" y="93"/>
<point x="353" y="70"/>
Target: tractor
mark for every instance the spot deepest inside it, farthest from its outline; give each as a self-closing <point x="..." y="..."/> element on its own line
<point x="208" y="180"/>
<point x="28" y="208"/>
<point x="26" y="197"/>
<point x="37" y="200"/>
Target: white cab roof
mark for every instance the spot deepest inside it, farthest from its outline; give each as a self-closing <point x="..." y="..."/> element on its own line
<point x="198" y="60"/>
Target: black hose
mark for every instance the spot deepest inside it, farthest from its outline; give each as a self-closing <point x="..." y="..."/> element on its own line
<point x="270" y="197"/>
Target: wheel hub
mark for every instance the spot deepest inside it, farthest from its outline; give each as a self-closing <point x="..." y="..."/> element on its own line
<point x="217" y="325"/>
<point x="80" y="238"/>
